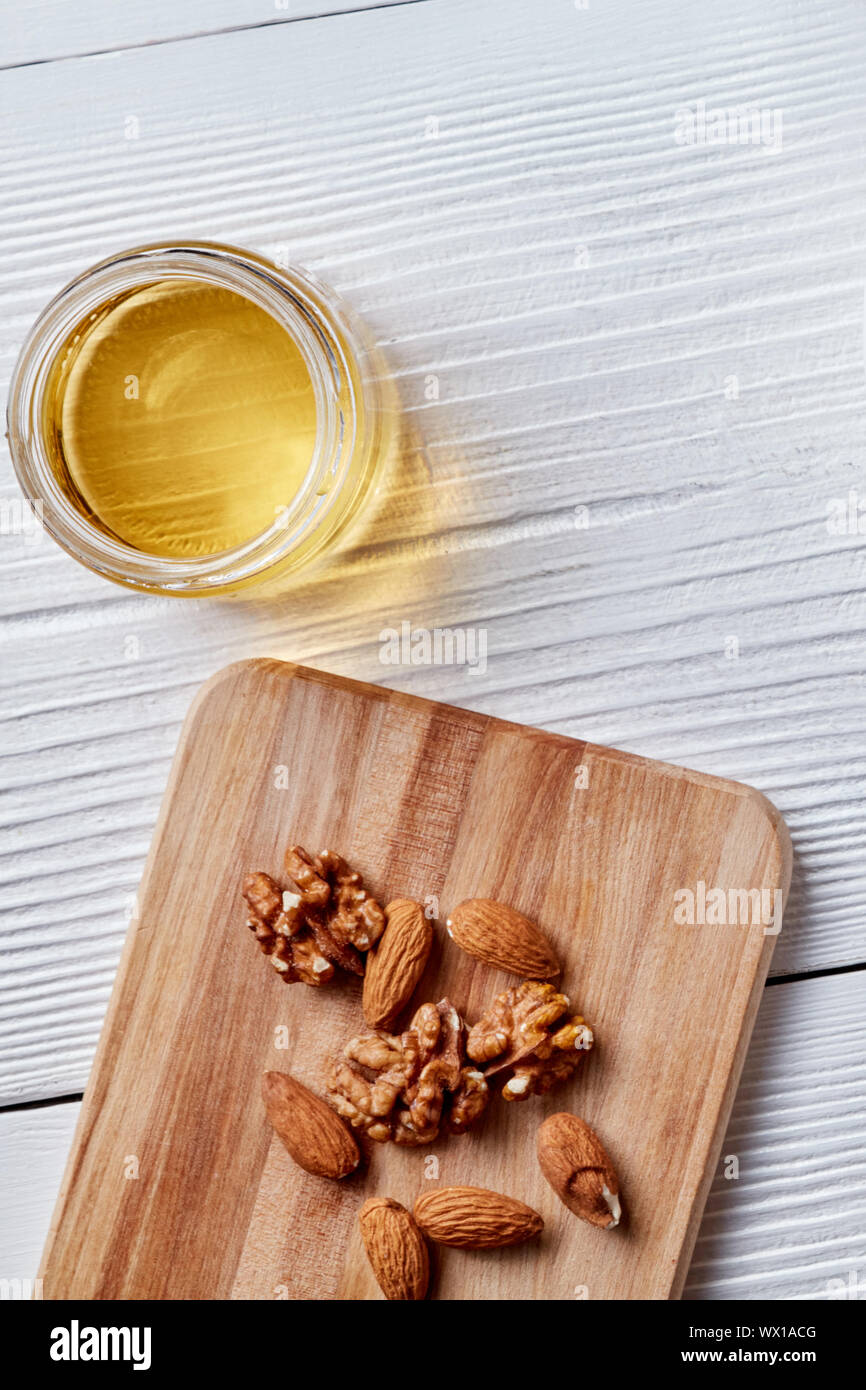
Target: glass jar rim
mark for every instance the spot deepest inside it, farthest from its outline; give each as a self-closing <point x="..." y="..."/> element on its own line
<point x="297" y="301"/>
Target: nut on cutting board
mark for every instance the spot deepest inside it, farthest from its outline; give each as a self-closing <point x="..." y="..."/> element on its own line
<point x="474" y="1218"/>
<point x="502" y="937"/>
<point x="314" y="1136"/>
<point x="396" y="963"/>
<point x="396" y="1249"/>
<point x="577" y="1166"/>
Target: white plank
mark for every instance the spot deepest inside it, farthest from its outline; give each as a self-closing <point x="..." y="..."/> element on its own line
<point x="33" y="1149"/>
<point x="39" y="31"/>
<point x="791" y="1224"/>
<point x="562" y="384"/>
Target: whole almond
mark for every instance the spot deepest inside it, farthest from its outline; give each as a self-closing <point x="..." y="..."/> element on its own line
<point x="574" y="1161"/>
<point x="475" y="1218"/>
<point x="315" y="1137"/>
<point x="396" y="1249"/>
<point x="502" y="937"/>
<point x="396" y="963"/>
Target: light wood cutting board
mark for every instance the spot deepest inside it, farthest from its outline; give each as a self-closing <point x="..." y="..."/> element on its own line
<point x="176" y="1187"/>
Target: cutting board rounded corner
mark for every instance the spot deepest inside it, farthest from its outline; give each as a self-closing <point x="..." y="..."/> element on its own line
<point x="772" y="818"/>
<point x="239" y="674"/>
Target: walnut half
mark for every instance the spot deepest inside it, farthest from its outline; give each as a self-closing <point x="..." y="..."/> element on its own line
<point x="404" y="1088"/>
<point x="326" y="925"/>
<point x="525" y="1030"/>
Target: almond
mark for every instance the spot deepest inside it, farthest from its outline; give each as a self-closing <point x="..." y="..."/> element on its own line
<point x="396" y="963"/>
<point x="502" y="937"/>
<point x="475" y="1218"/>
<point x="315" y="1137"/>
<point x="396" y="1249"/>
<point x="574" y="1161"/>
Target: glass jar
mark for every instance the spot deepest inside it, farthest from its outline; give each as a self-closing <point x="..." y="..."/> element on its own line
<point x="352" y="421"/>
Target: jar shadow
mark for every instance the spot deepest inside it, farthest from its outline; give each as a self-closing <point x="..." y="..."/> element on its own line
<point x="402" y="518"/>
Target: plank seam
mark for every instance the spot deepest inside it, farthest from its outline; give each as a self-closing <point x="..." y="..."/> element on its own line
<point x="206" y="34"/>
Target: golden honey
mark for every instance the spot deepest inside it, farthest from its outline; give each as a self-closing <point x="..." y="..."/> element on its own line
<point x="180" y="418"/>
<point x="188" y="419"/>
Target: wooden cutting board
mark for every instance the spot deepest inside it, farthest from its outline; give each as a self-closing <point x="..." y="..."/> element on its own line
<point x="176" y="1187"/>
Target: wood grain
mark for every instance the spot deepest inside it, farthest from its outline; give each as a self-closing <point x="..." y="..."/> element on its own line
<point x="791" y="1225"/>
<point x="562" y="292"/>
<point x="217" y="1209"/>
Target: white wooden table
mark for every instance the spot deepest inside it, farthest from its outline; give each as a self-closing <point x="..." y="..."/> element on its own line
<point x="632" y="371"/>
